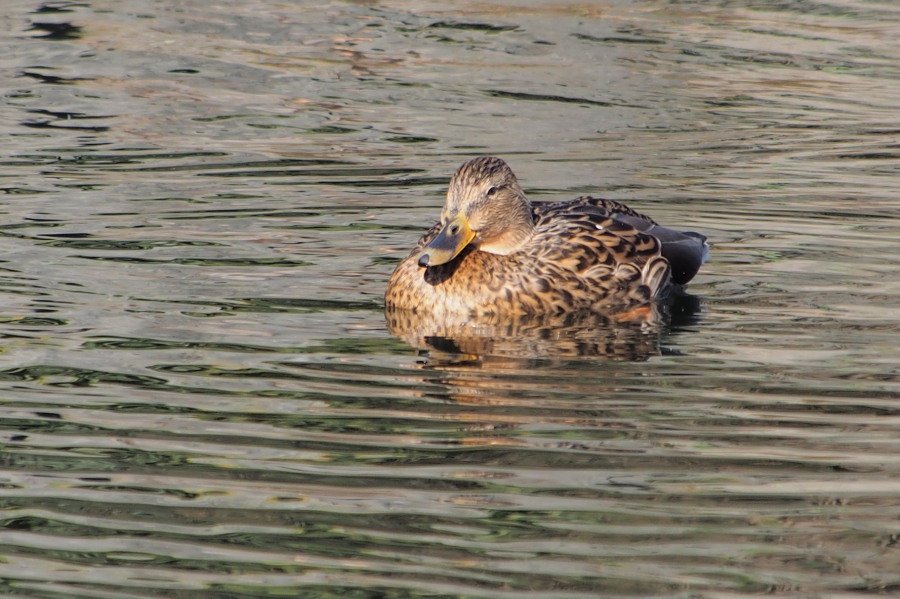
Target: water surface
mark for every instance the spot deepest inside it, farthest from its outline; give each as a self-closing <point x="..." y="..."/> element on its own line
<point x="201" y="396"/>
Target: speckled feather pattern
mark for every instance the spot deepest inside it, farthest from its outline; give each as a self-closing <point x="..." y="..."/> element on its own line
<point x="580" y="257"/>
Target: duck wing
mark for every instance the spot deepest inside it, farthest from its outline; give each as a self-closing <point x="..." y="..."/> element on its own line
<point x="611" y="235"/>
<point x="686" y="251"/>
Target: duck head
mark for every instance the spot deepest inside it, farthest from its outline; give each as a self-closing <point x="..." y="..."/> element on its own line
<point x="485" y="208"/>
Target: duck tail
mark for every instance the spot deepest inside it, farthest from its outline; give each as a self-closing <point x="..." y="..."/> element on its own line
<point x="685" y="252"/>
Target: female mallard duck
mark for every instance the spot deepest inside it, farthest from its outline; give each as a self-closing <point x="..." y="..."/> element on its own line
<point x="495" y="254"/>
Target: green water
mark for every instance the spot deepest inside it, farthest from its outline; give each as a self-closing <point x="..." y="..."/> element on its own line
<point x="199" y="393"/>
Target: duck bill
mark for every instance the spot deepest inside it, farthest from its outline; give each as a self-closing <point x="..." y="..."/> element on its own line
<point x="455" y="236"/>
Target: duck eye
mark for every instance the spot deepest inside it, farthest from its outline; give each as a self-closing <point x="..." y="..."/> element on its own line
<point x="491" y="191"/>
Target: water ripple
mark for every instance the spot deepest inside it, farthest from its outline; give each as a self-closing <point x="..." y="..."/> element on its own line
<point x="203" y="397"/>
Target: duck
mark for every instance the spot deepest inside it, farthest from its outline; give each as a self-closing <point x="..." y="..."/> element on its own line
<point x="494" y="254"/>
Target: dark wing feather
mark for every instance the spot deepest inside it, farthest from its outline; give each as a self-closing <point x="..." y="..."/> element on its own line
<point x="593" y="234"/>
<point x="603" y="244"/>
<point x="685" y="251"/>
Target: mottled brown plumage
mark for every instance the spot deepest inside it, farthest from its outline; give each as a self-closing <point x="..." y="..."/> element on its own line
<point x="494" y="254"/>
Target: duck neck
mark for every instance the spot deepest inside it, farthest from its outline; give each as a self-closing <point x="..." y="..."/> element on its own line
<point x="512" y="233"/>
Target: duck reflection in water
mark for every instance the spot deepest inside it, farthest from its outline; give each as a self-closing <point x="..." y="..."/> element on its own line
<point x="497" y="274"/>
<point x="518" y="340"/>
